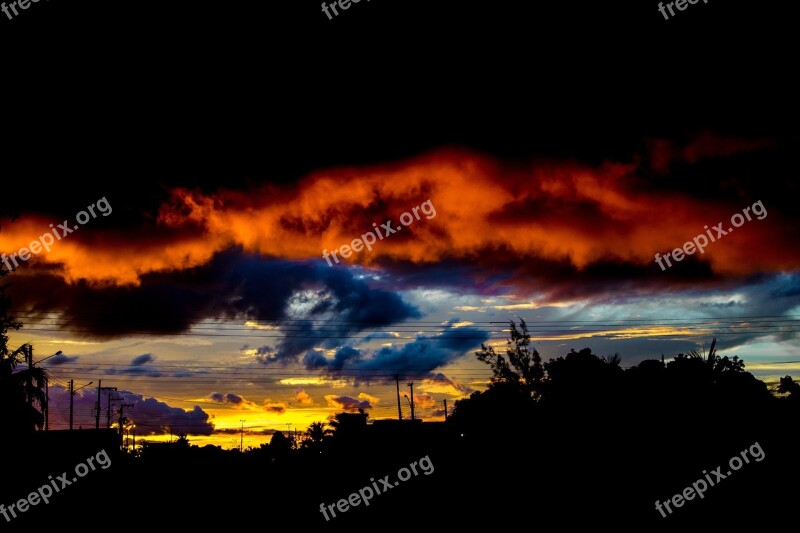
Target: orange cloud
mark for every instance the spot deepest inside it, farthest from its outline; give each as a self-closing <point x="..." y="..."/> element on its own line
<point x="424" y="401"/>
<point x="304" y="398"/>
<point x="441" y="384"/>
<point x="554" y="211"/>
<point x="349" y="403"/>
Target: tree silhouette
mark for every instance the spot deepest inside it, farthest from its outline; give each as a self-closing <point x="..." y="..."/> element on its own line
<point x="19" y="390"/>
<point x="717" y="364"/>
<point x="316" y="436"/>
<point x="17" y="411"/>
<point x="521" y="367"/>
<point x="280" y="445"/>
<point x="582" y="377"/>
<point x="790" y="386"/>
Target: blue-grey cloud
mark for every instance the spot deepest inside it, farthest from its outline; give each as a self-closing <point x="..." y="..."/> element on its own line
<point x="323" y="303"/>
<point x="142" y="359"/>
<point x="151" y="416"/>
<point x="418" y="358"/>
<point x="61" y="359"/>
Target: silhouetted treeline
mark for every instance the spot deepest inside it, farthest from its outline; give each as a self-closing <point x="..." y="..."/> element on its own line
<point x="573" y="441"/>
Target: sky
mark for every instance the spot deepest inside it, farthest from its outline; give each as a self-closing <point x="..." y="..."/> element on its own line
<point x="219" y="300"/>
<point x="540" y="176"/>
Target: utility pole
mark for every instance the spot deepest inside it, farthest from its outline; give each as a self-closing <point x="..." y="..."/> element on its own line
<point x="411" y="384"/>
<point x="46" y="403"/>
<point x="241" y="439"/>
<point x="97" y="414"/>
<point x="29" y="381"/>
<point x="445" y="409"/>
<point x="29" y="357"/>
<point x="121" y="417"/>
<point x="399" y="411"/>
<point x="72" y="391"/>
<point x="108" y="406"/>
<point x="71" y="396"/>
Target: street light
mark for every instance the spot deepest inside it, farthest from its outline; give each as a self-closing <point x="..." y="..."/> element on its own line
<point x="48" y="357"/>
<point x="79" y="388"/>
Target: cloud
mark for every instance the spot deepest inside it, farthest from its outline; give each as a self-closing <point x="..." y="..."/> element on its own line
<point x="348" y="403"/>
<point x="240" y="402"/>
<point x="303" y="398"/>
<point x="417" y="358"/>
<point x="704" y="145"/>
<point x="424" y="401"/>
<point x="315" y="359"/>
<point x="440" y="384"/>
<point x="138" y="370"/>
<point x="373" y="400"/>
<point x="265" y="354"/>
<point x="235" y="400"/>
<point x="139" y="367"/>
<point x="315" y="302"/>
<point x="330" y="207"/>
<point x="142" y="359"/>
<point x="150" y="416"/>
<point x="553" y="229"/>
<point x="61" y="359"/>
<point x="275" y="407"/>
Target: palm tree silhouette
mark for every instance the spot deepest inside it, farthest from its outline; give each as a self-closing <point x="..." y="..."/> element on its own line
<point x="20" y="391"/>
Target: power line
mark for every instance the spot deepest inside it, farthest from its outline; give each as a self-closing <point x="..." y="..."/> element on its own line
<point x="436" y="322"/>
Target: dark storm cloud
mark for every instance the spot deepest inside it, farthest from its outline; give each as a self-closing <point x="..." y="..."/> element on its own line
<point x="565" y="232"/>
<point x="314" y="359"/>
<point x="556" y="228"/>
<point x="664" y="153"/>
<point x="230" y="285"/>
<point x="719" y="174"/>
<point x="352" y="305"/>
<point x="418" y="358"/>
